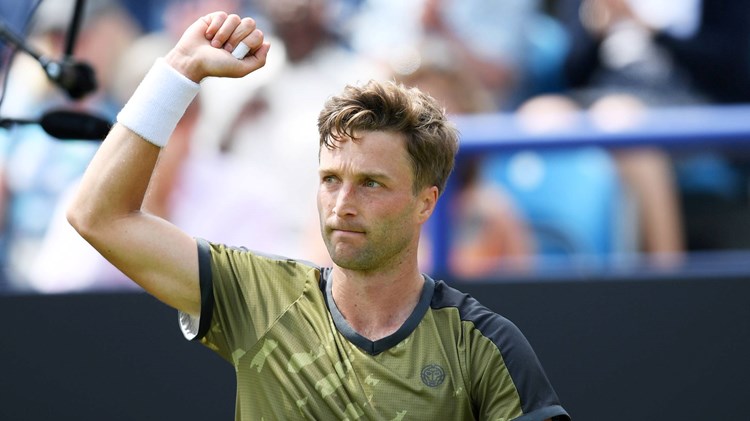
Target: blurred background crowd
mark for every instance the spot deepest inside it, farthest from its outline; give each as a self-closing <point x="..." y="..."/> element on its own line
<point x="241" y="166"/>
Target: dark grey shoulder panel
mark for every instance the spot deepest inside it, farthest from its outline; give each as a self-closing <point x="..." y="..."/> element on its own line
<point x="524" y="367"/>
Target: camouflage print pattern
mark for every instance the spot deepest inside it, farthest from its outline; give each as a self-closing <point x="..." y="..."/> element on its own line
<point x="273" y="321"/>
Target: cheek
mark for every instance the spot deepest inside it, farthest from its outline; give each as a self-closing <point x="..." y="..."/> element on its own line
<point x="326" y="201"/>
<point x="397" y="217"/>
<point x="320" y="200"/>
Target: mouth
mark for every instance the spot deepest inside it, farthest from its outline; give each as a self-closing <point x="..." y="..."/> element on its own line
<point x="346" y="230"/>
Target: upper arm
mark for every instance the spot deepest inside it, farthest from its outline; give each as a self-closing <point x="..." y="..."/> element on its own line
<point x="156" y="255"/>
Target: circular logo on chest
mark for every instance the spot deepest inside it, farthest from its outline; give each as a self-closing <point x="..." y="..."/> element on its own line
<point x="433" y="375"/>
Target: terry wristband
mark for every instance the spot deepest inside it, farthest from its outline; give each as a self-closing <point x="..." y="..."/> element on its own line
<point x="159" y="102"/>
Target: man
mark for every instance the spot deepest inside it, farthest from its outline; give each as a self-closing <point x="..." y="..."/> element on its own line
<point x="369" y="338"/>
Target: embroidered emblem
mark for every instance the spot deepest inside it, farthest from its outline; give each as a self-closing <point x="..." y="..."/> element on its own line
<point x="433" y="375"/>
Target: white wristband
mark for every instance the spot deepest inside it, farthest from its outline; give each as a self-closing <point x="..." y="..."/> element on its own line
<point x="159" y="102"/>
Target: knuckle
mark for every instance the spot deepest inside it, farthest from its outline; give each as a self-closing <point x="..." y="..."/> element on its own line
<point x="249" y="22"/>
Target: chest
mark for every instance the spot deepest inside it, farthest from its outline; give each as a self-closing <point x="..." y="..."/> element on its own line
<point x="306" y="367"/>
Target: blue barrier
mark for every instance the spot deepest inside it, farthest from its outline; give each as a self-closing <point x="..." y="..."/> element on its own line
<point x="677" y="128"/>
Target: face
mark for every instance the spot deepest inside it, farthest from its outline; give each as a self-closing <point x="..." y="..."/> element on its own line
<point x="369" y="215"/>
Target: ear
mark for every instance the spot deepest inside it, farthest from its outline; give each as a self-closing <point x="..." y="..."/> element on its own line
<point x="427" y="199"/>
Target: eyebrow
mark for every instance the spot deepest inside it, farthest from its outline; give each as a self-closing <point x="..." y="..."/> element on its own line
<point x="376" y="175"/>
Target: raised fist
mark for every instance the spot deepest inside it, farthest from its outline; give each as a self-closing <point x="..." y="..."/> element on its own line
<point x="205" y="48"/>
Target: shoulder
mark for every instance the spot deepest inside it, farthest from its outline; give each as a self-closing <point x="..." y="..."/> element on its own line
<point x="467" y="307"/>
<point x="500" y="360"/>
<point x="222" y="255"/>
<point x="236" y="273"/>
<point x="495" y="333"/>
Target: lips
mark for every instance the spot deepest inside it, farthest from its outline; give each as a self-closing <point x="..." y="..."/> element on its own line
<point x="346" y="229"/>
<point x="334" y="223"/>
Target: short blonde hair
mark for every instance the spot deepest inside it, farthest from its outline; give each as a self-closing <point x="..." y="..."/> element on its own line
<point x="431" y="140"/>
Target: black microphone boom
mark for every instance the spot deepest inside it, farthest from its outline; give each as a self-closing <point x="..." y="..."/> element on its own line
<point x="73" y="125"/>
<point x="77" y="79"/>
<point x="67" y="125"/>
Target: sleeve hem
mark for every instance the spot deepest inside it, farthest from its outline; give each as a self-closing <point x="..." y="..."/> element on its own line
<point x="554" y="412"/>
<point x="195" y="327"/>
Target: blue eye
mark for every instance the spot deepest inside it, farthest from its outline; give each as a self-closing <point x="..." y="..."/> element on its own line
<point x="372" y="183"/>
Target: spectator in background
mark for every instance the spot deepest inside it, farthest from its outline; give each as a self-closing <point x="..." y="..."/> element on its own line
<point x="36" y="168"/>
<point x="649" y="219"/>
<point x="489" y="235"/>
<point x="665" y="52"/>
<point x="512" y="47"/>
<point x="514" y="50"/>
<point x="628" y="55"/>
<point x="498" y="42"/>
<point x="618" y="66"/>
<point x="108" y="31"/>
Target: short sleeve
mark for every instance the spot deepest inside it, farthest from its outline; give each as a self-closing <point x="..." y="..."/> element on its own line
<point x="508" y="377"/>
<point x="242" y="294"/>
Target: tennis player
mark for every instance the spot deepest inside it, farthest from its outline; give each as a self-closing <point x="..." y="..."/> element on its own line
<point x="368" y="338"/>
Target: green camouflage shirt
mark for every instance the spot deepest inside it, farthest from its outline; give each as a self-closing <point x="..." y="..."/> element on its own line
<point x="296" y="357"/>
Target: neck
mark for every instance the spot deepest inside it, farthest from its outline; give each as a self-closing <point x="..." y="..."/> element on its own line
<point x="376" y="305"/>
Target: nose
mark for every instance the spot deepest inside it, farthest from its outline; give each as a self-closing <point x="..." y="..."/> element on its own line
<point x="345" y="201"/>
